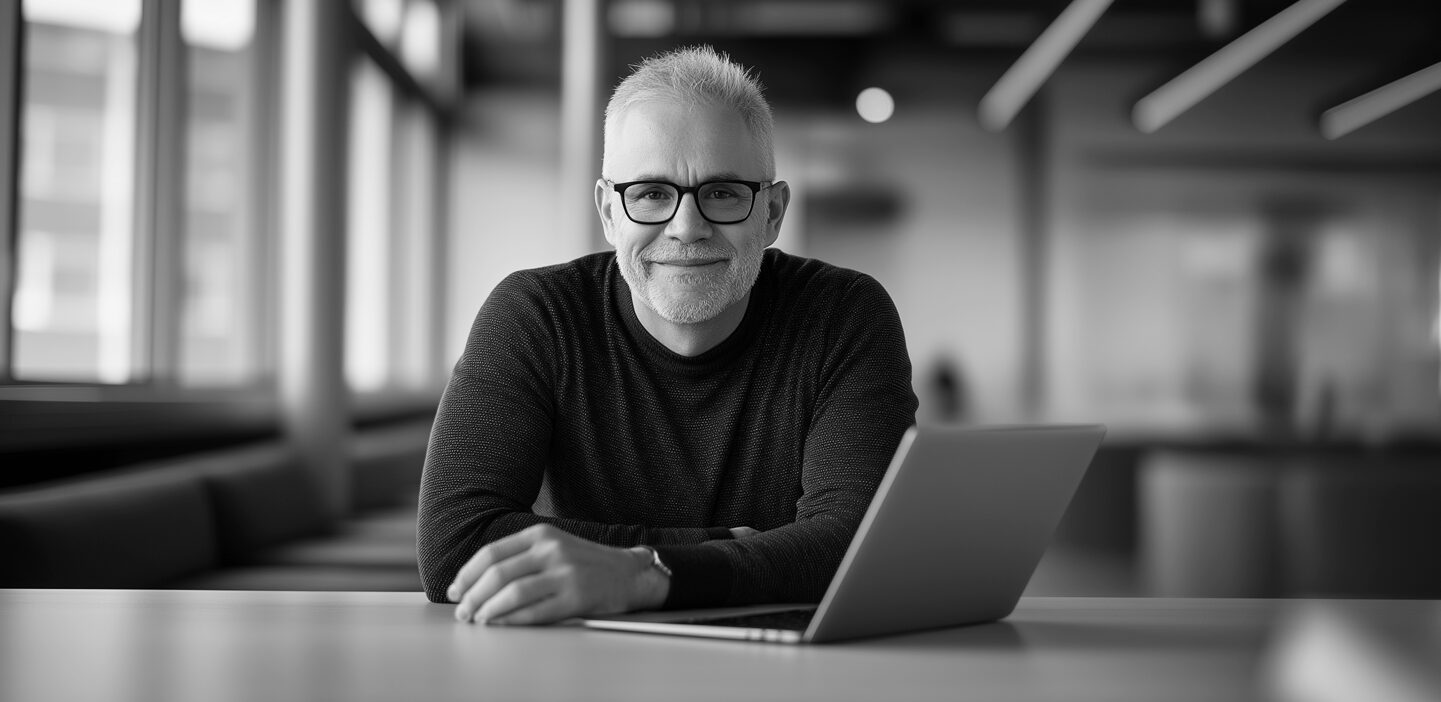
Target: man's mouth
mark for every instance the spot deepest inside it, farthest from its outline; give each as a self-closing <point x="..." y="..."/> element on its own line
<point x="691" y="262"/>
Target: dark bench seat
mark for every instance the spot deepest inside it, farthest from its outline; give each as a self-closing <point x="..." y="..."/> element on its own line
<point x="237" y="518"/>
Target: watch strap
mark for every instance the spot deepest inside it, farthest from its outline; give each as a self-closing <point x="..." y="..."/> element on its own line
<point x="656" y="562"/>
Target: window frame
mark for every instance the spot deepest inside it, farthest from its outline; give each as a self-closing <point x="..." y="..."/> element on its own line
<point x="53" y="418"/>
<point x="12" y="41"/>
<point x="440" y="99"/>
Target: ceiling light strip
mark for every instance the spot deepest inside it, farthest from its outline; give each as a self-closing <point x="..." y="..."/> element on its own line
<point x="1025" y="76"/>
<point x="1184" y="91"/>
<point x="1361" y="111"/>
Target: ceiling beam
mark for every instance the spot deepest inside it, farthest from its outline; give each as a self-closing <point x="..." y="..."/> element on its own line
<point x="1006" y="98"/>
<point x="1184" y="91"/>
<point x="1361" y="111"/>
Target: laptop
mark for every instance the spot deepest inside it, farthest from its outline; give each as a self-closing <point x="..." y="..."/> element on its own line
<point x="952" y="536"/>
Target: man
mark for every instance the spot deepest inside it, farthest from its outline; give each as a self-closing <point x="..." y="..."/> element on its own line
<point x="690" y="420"/>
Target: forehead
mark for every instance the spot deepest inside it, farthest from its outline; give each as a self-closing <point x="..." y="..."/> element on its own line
<point x="684" y="143"/>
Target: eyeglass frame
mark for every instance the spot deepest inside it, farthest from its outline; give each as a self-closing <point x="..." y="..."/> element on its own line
<point x="756" y="186"/>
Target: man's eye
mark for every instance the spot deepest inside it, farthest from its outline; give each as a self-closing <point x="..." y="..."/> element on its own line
<point x="653" y="194"/>
<point x="722" y="194"/>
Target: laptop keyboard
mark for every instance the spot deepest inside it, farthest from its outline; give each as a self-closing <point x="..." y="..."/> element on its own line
<point x="794" y="619"/>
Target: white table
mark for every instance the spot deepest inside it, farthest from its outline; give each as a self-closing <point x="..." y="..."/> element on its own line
<point x="214" y="645"/>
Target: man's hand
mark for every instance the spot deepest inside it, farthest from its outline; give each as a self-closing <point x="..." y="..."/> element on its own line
<point x="544" y="574"/>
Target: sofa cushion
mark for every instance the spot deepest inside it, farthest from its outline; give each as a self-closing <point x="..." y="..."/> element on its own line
<point x="386" y="465"/>
<point x="129" y="529"/>
<point x="261" y="495"/>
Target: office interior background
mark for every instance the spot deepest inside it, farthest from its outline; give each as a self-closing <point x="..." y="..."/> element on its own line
<point x="244" y="241"/>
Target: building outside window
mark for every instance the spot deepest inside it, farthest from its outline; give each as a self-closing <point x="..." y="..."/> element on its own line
<point x="74" y="302"/>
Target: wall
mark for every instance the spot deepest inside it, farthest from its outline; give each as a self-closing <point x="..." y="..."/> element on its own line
<point x="505" y="215"/>
<point x="1234" y="271"/>
<point x="947" y="252"/>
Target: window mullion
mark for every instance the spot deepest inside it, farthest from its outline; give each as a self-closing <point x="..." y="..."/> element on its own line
<point x="12" y="44"/>
<point x="160" y="165"/>
<point x="263" y="131"/>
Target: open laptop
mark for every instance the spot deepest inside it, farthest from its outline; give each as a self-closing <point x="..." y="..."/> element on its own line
<point x="952" y="536"/>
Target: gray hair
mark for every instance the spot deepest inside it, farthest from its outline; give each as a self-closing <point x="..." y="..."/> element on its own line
<point x="697" y="75"/>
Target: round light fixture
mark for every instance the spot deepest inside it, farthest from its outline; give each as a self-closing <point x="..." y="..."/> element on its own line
<point x="875" y="105"/>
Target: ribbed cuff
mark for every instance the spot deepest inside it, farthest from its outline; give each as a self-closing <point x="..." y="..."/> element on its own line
<point x="700" y="576"/>
<point x="719" y="533"/>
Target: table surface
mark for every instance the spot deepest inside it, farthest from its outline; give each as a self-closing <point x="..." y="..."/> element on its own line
<point x="158" y="645"/>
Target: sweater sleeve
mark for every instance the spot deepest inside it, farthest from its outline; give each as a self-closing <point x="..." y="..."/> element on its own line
<point x="489" y="443"/>
<point x="864" y="405"/>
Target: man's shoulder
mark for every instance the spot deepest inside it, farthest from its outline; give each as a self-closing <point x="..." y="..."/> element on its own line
<point x="589" y="269"/>
<point x="579" y="279"/>
<point x="811" y="278"/>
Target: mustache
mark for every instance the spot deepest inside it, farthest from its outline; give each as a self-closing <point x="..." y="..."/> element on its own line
<point x="686" y="252"/>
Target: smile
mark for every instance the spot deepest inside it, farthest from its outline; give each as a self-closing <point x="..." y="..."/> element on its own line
<point x="690" y="263"/>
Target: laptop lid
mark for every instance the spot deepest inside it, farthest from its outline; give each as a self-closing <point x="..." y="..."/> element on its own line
<point x="957" y="526"/>
<point x="956" y="529"/>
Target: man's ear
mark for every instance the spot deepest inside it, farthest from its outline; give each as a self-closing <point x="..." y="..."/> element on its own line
<point x="778" y="198"/>
<point x="605" y="207"/>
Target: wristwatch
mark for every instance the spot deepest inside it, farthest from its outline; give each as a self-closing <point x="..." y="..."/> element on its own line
<point x="656" y="562"/>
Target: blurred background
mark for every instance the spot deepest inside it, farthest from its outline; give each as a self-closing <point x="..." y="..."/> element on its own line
<point x="1213" y="225"/>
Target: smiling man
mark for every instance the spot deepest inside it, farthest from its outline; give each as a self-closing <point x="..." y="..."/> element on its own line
<point x="693" y="419"/>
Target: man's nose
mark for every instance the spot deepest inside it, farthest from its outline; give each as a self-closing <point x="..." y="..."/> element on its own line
<point x="688" y="225"/>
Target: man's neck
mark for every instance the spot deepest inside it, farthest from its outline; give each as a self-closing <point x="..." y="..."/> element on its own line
<point x="691" y="339"/>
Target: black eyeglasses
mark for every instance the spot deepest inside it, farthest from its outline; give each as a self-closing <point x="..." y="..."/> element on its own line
<point x="720" y="201"/>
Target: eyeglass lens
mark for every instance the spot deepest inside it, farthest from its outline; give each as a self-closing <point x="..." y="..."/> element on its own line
<point x="722" y="203"/>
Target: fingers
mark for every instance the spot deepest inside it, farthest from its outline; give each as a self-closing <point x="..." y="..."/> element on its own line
<point x="544" y="611"/>
<point x="543" y="575"/>
<point x="488" y="555"/>
<point x="535" y="599"/>
<point x="496" y="579"/>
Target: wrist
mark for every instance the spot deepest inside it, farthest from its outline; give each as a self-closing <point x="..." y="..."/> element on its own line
<point x="651" y="585"/>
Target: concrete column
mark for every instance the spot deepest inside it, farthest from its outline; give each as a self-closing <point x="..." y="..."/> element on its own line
<point x="160" y="194"/>
<point x="315" y="81"/>
<point x="581" y="105"/>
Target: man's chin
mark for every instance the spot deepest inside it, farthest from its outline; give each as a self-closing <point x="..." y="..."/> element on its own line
<point x="686" y="311"/>
<point x="683" y="297"/>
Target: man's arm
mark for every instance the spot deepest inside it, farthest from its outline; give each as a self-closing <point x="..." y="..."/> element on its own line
<point x="488" y="445"/>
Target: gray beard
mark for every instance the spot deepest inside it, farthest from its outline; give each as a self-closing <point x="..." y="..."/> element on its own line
<point x="697" y="304"/>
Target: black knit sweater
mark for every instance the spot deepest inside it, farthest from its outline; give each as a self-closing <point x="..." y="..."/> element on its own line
<point x="563" y="409"/>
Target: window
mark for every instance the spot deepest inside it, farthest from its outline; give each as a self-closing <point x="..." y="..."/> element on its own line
<point x="391" y="332"/>
<point x="140" y="267"/>
<point x="75" y="301"/>
<point x="221" y="302"/>
<point x="368" y="270"/>
<point x="415" y="298"/>
<point x="383" y="19"/>
<point x="97" y="290"/>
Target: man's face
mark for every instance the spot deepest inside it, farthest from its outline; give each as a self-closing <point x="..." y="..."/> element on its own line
<point x="687" y="270"/>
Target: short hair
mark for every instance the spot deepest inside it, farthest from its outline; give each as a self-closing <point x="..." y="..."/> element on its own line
<point x="697" y="75"/>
